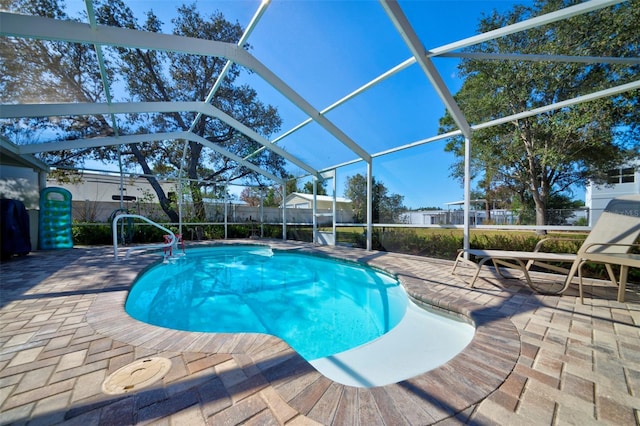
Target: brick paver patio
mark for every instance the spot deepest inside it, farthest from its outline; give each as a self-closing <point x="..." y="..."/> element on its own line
<point x="535" y="359"/>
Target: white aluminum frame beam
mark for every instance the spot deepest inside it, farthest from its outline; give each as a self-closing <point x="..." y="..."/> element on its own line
<point x="68" y="109"/>
<point x="76" y="32"/>
<point x="223" y="74"/>
<point x="414" y="44"/>
<point x="400" y="67"/>
<point x="548" y="18"/>
<point x="445" y="51"/>
<point x="408" y="34"/>
<point x="227" y="66"/>
<point x="541" y="58"/>
<point x="562" y="104"/>
<point x="131" y="139"/>
<point x="103" y="70"/>
<point x="530" y="113"/>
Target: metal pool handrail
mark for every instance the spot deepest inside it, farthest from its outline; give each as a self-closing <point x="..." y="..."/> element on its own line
<point x="170" y="243"/>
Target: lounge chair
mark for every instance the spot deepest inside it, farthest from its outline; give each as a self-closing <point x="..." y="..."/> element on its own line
<point x="612" y="236"/>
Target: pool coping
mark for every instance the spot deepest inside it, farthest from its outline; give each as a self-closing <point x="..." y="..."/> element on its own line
<point x="441" y="393"/>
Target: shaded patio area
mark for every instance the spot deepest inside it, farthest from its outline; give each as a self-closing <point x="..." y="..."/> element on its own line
<point x="535" y="359"/>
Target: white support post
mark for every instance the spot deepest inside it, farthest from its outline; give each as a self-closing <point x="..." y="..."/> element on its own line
<point x="315" y="211"/>
<point x="335" y="208"/>
<point x="467" y="194"/>
<point x="180" y="201"/>
<point x="226" y="199"/>
<point x="369" y="205"/>
<point x="261" y="212"/>
<point x="284" y="210"/>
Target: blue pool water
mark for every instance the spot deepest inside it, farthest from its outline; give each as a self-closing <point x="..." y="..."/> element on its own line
<point x="319" y="306"/>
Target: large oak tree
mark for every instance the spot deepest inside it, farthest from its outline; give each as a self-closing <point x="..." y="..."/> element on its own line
<point x="536" y="157"/>
<point x="68" y="72"/>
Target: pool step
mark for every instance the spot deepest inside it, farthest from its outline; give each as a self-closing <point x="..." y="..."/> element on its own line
<point x="421" y="342"/>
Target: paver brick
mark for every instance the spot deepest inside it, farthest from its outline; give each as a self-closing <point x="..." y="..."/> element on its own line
<point x="88" y="385"/>
<point x="29" y="397"/>
<point x="19" y="339"/>
<point x="578" y="387"/>
<point x="25" y="357"/>
<point x="239" y="412"/>
<point x="34" y="379"/>
<point x="573" y="363"/>
<point x="72" y="360"/>
<point x="50" y="410"/>
<point x="610" y="410"/>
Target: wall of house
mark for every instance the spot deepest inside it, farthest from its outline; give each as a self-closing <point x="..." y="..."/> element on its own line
<point x="598" y="196"/>
<point x="103" y="188"/>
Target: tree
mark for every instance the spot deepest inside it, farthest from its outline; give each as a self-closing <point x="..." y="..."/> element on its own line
<point x="386" y="208"/>
<point x="251" y="196"/>
<point x="271" y="197"/>
<point x="320" y="188"/>
<point x="541" y="156"/>
<point x="149" y="76"/>
<point x="40" y="71"/>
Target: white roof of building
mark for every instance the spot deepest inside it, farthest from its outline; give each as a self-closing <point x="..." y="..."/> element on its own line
<point x="318" y="197"/>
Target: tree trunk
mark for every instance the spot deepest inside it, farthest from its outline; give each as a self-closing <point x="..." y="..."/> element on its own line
<point x="199" y="211"/>
<point x="487" y="210"/>
<point x="541" y="211"/>
<point x="165" y="203"/>
<point x="541" y="214"/>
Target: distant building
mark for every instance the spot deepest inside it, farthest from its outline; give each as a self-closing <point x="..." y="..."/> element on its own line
<point x="96" y="196"/>
<point x="102" y="187"/>
<point x="298" y="200"/>
<point x="624" y="180"/>
<point x="300" y="209"/>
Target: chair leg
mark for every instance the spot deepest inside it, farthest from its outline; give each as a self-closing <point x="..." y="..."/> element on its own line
<point x="460" y="258"/>
<point x="624" y="271"/>
<point x="524" y="269"/>
<point x="580" y="283"/>
<point x="478" y="267"/>
<point x="612" y="276"/>
<point x="572" y="273"/>
<point x="455" y="264"/>
<point x="497" y="268"/>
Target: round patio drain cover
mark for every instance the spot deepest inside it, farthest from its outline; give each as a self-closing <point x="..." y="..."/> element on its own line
<point x="137" y="375"/>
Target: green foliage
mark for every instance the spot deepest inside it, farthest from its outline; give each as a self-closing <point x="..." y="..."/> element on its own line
<point x="89" y="234"/>
<point x="533" y="158"/>
<point x="429" y="208"/>
<point x="270" y="197"/>
<point x="386" y="207"/>
<point x="582" y="221"/>
<point x="100" y="234"/>
<point x="320" y="188"/>
<point x="440" y="244"/>
<point x="300" y="233"/>
<point x="54" y="71"/>
<point x="445" y="244"/>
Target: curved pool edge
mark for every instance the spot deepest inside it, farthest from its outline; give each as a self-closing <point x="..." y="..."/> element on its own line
<point x="366" y="365"/>
<point x="443" y="392"/>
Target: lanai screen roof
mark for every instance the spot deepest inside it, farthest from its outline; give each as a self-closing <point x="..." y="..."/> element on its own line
<point x="322" y="129"/>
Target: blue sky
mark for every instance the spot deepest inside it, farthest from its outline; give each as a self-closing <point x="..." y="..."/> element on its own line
<point x="325" y="49"/>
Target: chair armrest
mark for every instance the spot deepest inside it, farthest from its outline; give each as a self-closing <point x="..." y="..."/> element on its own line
<point x="542" y="241"/>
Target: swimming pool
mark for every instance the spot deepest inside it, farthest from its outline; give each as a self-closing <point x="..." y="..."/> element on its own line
<point x="318" y="306"/>
<point x="339" y="315"/>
